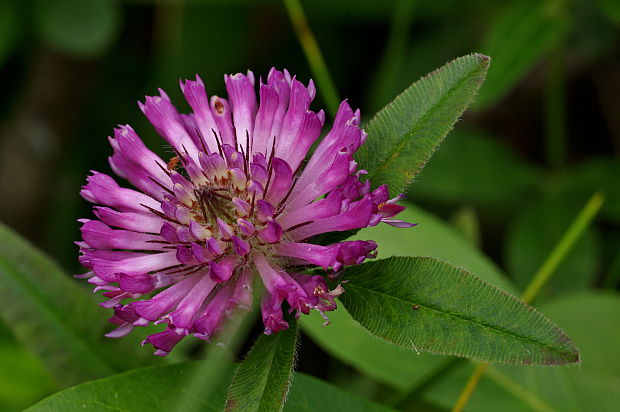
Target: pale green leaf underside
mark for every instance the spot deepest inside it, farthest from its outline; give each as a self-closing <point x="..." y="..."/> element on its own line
<point x="262" y="380"/>
<point x="151" y="389"/>
<point x="404" y="134"/>
<point x="426" y="304"/>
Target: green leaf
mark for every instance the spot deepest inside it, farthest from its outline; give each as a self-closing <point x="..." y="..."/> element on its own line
<point x="262" y="381"/>
<point x="404" y="134"/>
<point x="535" y="231"/>
<point x="590" y="318"/>
<point x="425" y="304"/>
<point x="147" y="389"/>
<point x="37" y="299"/>
<point x="81" y="28"/>
<point x="498" y="177"/>
<point x="348" y="341"/>
<point x="516" y="40"/>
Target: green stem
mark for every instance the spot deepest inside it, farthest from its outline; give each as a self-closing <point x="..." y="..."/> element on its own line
<point x="561" y="249"/>
<point x="542" y="276"/>
<point x="313" y="54"/>
<point x="470" y="387"/>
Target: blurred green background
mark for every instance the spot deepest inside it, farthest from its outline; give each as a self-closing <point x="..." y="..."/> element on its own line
<point x="541" y="138"/>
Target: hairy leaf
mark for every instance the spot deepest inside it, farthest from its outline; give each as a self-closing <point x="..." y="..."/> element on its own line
<point x="404" y="134"/>
<point x="426" y="304"/>
<point x="589" y="317"/>
<point x="262" y="381"/>
<point x="348" y="341"/>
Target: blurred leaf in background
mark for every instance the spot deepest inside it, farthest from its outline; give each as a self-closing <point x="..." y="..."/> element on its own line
<point x="23" y="380"/>
<point x="79" y="28"/>
<point x="536" y="228"/>
<point x="523" y="32"/>
<point x="55" y="318"/>
<point x="476" y="169"/>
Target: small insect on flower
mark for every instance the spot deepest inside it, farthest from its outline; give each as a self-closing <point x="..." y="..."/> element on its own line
<point x="236" y="201"/>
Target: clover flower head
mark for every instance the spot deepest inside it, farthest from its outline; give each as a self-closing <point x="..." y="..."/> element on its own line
<point x="236" y="201"/>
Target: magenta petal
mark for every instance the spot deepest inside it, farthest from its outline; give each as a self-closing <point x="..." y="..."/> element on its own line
<point x="215" y="247"/>
<point x="222" y="270"/>
<point x="164" y="341"/>
<point x="273" y="319"/>
<point x="168" y="123"/>
<point x="99" y="235"/>
<point x="196" y="96"/>
<point x="281" y="179"/>
<point x="323" y="256"/>
<point x="264" y="210"/>
<point x="356" y="217"/>
<point x="189" y="308"/>
<point x="399" y="223"/>
<point x="140" y="283"/>
<point x="201" y="254"/>
<point x="326" y="207"/>
<point x="242" y="207"/>
<point x="329" y="179"/>
<point x="104" y="190"/>
<point x="223" y="119"/>
<point x="121" y="331"/>
<point x="137" y="222"/>
<point x="107" y="269"/>
<point x="165" y="301"/>
<point x="242" y="97"/>
<point x="240" y="246"/>
<point x="271" y="233"/>
<point x="265" y="117"/>
<point x="242" y="296"/>
<point x="226" y="231"/>
<point x="213" y="314"/>
<point x="246" y="227"/>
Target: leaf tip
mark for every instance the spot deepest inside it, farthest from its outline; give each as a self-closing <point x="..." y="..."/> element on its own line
<point x="483" y="59"/>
